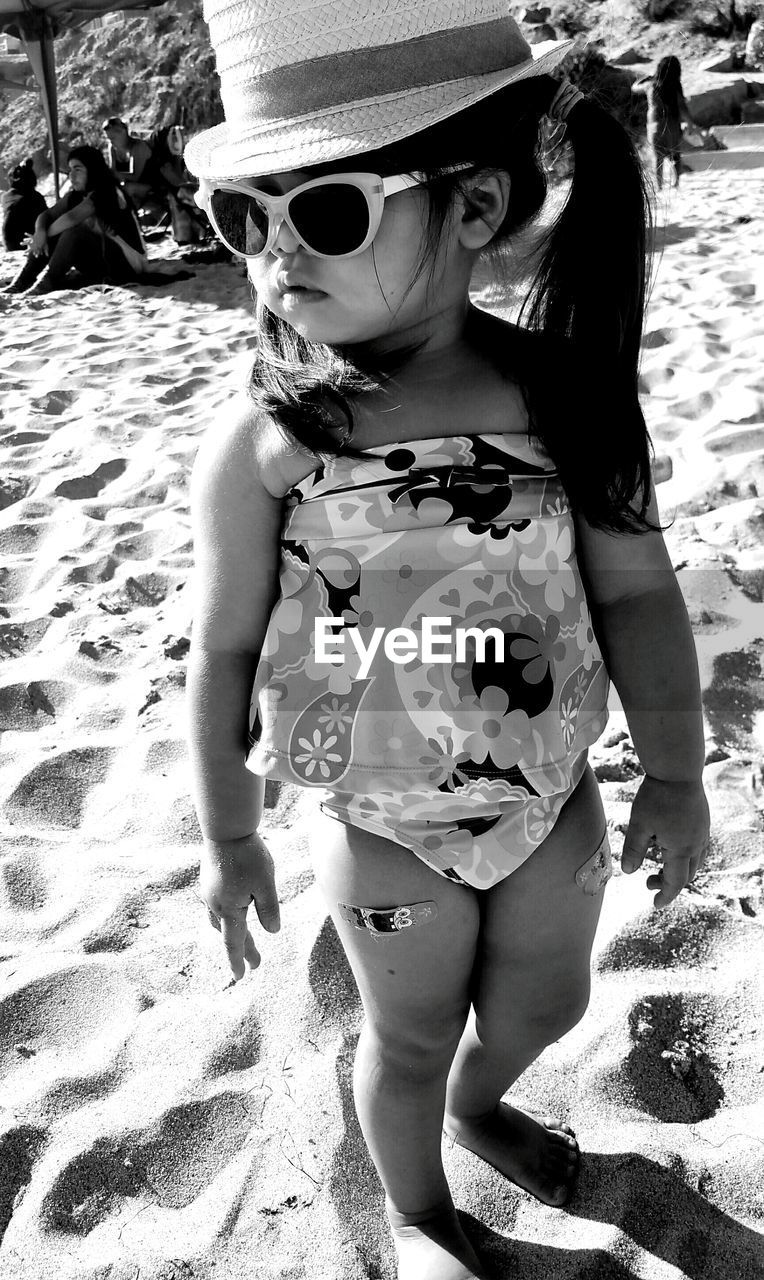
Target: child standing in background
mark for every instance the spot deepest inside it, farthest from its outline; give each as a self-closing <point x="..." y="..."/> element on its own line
<point x="405" y="467"/>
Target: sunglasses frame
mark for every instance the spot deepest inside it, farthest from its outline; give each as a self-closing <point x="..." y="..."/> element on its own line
<point x="375" y="188"/>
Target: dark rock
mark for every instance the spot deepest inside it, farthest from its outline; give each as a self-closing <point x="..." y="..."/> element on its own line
<point x="537" y="35"/>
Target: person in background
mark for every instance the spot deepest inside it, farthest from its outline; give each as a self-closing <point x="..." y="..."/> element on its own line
<point x="666" y="109"/>
<point x="128" y="158"/>
<point x="173" y="187"/>
<point x="83" y="232"/>
<point x="22" y="204"/>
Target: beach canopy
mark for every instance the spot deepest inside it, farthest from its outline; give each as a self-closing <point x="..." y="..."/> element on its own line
<point x="37" y="23"/>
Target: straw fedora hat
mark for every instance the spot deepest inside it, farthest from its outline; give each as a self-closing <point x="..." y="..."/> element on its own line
<point x="309" y="82"/>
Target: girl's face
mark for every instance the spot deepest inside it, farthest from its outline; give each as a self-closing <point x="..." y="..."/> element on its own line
<point x="370" y="296"/>
<point x="78" y="175"/>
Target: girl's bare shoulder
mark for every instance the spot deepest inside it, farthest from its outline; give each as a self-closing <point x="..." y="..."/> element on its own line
<point x="250" y="446"/>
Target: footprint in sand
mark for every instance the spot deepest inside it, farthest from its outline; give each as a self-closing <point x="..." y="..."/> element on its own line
<point x="239" y="1051"/>
<point x="669" y="1067"/>
<point x="54" y="402"/>
<point x="686" y="934"/>
<point x="120" y="928"/>
<point x="20" y="540"/>
<point x="172" y="1166"/>
<point x="24" y="885"/>
<point x="90" y="486"/>
<point x="735" y="696"/>
<point x="100" y="570"/>
<point x="13" y="489"/>
<point x="27" y="437"/>
<point x="28" y="706"/>
<point x="52" y="1025"/>
<point x="19" y="1149"/>
<point x="144" y="590"/>
<point x="183" y="391"/>
<point x="54" y="793"/>
<point x="658" y="338"/>
<point x="17" y="638"/>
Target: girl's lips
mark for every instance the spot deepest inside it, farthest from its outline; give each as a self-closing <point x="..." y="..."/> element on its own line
<point x="294" y="294"/>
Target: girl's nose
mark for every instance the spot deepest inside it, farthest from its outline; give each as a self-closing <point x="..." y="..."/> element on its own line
<point x="285" y="241"/>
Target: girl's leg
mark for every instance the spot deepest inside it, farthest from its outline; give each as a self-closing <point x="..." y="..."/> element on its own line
<point x="414" y="986"/>
<point x="531" y="986"/>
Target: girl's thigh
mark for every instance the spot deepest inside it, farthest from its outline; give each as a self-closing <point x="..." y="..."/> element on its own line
<point x="539" y="923"/>
<point x="417" y="980"/>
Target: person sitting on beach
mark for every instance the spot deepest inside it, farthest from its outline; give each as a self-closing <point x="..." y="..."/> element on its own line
<point x="22" y="204"/>
<point x="172" y="186"/>
<point x="406" y="466"/>
<point x="128" y="158"/>
<point x="666" y="109"/>
<point x="91" y="232"/>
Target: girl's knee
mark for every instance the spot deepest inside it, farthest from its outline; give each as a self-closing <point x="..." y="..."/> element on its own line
<point x="561" y="1009"/>
<point x="420" y="1047"/>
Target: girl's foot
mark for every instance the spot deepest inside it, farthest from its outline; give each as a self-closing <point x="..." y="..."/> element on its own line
<point x="432" y="1245"/>
<point x="541" y="1159"/>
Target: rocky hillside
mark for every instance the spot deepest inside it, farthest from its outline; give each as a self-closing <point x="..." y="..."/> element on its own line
<point x="158" y="68"/>
<point x="153" y="69"/>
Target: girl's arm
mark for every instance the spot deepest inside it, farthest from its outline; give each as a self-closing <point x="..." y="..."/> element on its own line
<point x="80" y="213"/>
<point x="646" y="639"/>
<point x="237" y="523"/>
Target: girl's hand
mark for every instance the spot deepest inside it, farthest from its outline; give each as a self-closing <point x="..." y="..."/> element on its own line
<point x="39" y="244"/>
<point x="233" y="874"/>
<point x="673" y="815"/>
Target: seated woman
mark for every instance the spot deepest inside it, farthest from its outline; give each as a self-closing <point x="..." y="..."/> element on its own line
<point x="82" y="232"/>
<point x="90" y="236"/>
<point x="22" y="204"/>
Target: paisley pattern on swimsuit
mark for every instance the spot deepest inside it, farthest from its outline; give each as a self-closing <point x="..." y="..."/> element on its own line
<point x="475" y="530"/>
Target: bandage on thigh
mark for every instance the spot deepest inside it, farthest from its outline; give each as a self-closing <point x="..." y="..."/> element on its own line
<point x="594" y="874"/>
<point x="388" y="920"/>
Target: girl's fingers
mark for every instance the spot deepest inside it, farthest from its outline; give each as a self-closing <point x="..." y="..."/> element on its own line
<point x="234" y="931"/>
<point x="251" y="953"/>
<point x="670" y="880"/>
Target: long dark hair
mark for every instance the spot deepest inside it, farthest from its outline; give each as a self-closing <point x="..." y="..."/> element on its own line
<point x="102" y="186"/>
<point x="576" y="352"/>
<point x="667" y="83"/>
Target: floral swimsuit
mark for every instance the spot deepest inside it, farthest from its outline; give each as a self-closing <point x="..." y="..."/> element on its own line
<point x="467" y="757"/>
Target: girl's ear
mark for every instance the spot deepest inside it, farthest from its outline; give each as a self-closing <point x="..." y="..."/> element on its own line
<point x="485" y="204"/>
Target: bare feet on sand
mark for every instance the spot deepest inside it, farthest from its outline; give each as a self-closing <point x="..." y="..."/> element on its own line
<point x="541" y="1158"/>
<point x="432" y="1245"/>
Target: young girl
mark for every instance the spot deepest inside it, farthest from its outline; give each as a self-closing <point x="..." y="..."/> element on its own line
<point x="406" y="468"/>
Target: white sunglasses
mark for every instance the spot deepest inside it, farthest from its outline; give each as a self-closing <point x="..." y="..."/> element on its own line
<point x="336" y="216"/>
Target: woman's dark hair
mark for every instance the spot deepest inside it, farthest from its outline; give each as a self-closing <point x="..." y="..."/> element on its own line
<point x="667" y="83"/>
<point x="102" y="187"/>
<point x="576" y="351"/>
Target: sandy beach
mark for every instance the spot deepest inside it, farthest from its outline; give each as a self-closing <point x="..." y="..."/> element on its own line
<point x="157" y="1126"/>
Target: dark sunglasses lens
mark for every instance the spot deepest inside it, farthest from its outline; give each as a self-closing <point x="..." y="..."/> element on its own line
<point x="333" y="219"/>
<point x="242" y="222"/>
